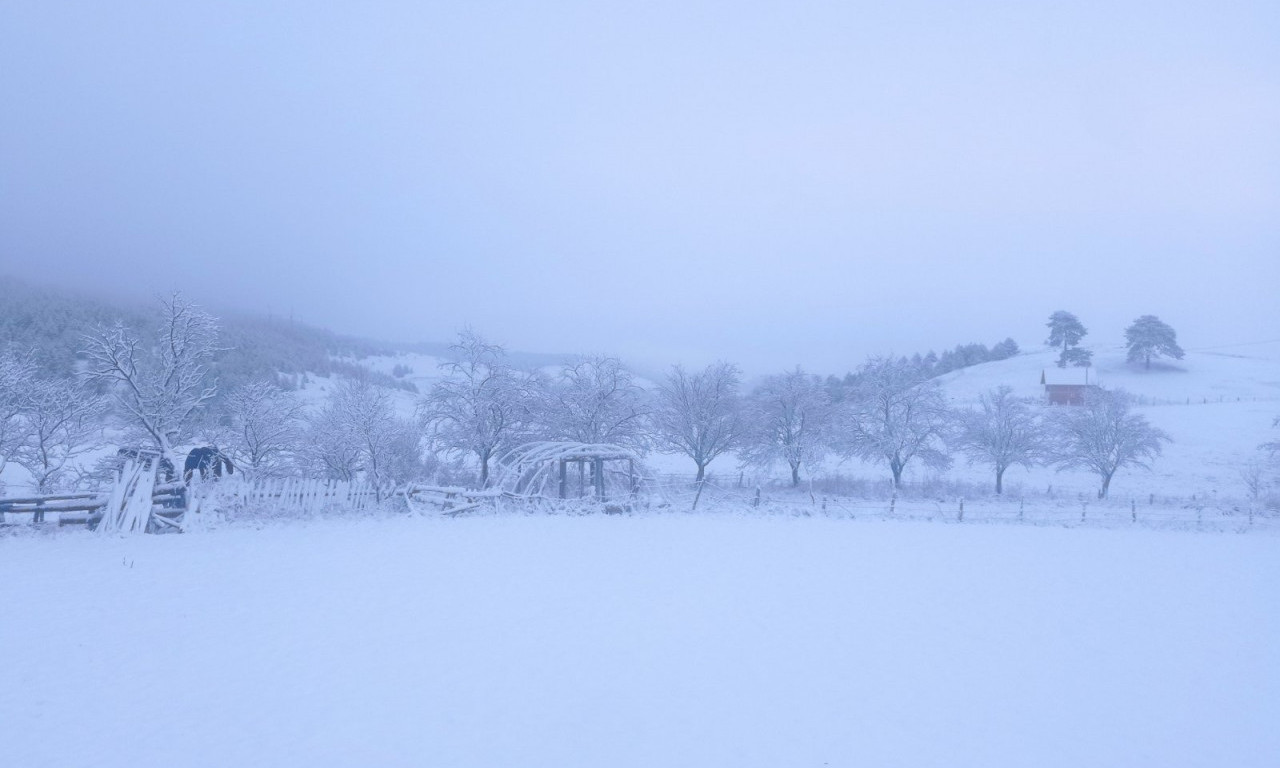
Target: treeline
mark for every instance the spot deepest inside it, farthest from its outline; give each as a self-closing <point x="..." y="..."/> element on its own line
<point x="931" y="364"/>
<point x="156" y="385"/>
<point x="50" y="324"/>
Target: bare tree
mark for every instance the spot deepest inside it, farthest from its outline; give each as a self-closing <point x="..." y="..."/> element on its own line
<point x="265" y="428"/>
<point x="895" y="417"/>
<point x="368" y="414"/>
<point x="1273" y="447"/>
<point x="699" y="414"/>
<point x="328" y="447"/>
<point x="358" y="432"/>
<point x="480" y="406"/>
<point x="160" y="385"/>
<point x="17" y="374"/>
<point x="63" y="422"/>
<point x="1104" y="436"/>
<point x="789" y="419"/>
<point x="1253" y="473"/>
<point x="595" y="400"/>
<point x="1004" y="431"/>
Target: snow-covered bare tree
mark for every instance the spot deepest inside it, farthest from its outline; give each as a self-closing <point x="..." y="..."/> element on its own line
<point x="368" y="413"/>
<point x="265" y="428"/>
<point x="895" y="417"/>
<point x="699" y="414"/>
<point x="1273" y="446"/>
<point x="358" y="432"/>
<point x="1066" y="331"/>
<point x="789" y="420"/>
<point x="1104" y="436"/>
<point x="63" y="421"/>
<point x="328" y="448"/>
<point x="481" y="406"/>
<point x="17" y="374"/>
<point x="1253" y="474"/>
<point x="1003" y="431"/>
<point x="595" y="400"/>
<point x="160" y="384"/>
<point x="1149" y="337"/>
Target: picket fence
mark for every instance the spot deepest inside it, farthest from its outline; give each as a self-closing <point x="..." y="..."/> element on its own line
<point x="279" y="496"/>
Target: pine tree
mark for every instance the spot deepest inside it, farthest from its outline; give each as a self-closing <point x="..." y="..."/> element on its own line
<point x="1066" y="331"/>
<point x="1149" y="337"/>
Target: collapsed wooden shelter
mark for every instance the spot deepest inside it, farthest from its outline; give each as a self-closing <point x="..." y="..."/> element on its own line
<point x="602" y="471"/>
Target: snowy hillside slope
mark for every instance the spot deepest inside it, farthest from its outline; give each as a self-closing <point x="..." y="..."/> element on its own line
<point x="1217" y="407"/>
<point x="1199" y="377"/>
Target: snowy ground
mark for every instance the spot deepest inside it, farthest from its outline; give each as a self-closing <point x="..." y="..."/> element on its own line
<point x="659" y="640"/>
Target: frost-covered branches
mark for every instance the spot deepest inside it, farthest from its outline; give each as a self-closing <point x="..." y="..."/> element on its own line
<point x="789" y="416"/>
<point x="481" y="404"/>
<point x="17" y="374"/>
<point x="1148" y="337"/>
<point x="595" y="400"/>
<point x="62" y="419"/>
<point x="328" y="447"/>
<point x="265" y="428"/>
<point x="699" y="414"/>
<point x="1103" y="436"/>
<point x="895" y="417"/>
<point x="1002" y="432"/>
<point x="159" y="385"/>
<point x="358" y="431"/>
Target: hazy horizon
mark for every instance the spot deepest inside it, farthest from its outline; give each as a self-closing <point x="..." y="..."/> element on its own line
<point x="800" y="183"/>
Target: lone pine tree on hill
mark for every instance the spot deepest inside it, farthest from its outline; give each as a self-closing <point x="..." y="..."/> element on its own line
<point x="1148" y="337"/>
<point x="1066" y="331"/>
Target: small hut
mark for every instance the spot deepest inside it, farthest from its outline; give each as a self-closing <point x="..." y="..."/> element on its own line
<point x="566" y="470"/>
<point x="1067" y="387"/>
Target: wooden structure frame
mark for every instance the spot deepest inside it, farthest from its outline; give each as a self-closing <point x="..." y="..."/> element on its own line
<point x="542" y="469"/>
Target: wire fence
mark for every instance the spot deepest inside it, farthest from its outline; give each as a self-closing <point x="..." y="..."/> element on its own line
<point x="1062" y="512"/>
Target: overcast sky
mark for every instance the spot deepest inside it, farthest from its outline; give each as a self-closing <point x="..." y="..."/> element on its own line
<point x="770" y="183"/>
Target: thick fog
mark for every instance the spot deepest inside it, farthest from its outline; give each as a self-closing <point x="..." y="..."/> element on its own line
<point x="770" y="183"/>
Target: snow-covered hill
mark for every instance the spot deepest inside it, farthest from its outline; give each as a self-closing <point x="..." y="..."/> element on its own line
<point x="1217" y="407"/>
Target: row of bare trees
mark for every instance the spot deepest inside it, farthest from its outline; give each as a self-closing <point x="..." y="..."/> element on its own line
<point x="157" y="385"/>
<point x="891" y="416"/>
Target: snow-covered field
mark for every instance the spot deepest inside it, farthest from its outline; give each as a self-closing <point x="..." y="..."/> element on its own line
<point x="658" y="640"/>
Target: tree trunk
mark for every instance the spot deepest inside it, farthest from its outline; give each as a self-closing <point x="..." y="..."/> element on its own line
<point x="795" y="475"/>
<point x="897" y="475"/>
<point x="702" y="471"/>
<point x="1106" y="486"/>
<point x="999" y="480"/>
<point x="484" y="472"/>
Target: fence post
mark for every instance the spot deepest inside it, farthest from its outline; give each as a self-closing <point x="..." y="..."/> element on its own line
<point x="893" y="502"/>
<point x="1133" y="509"/>
<point x="1022" y="506"/>
<point x="961" y="517"/>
